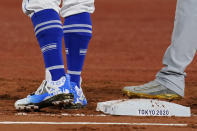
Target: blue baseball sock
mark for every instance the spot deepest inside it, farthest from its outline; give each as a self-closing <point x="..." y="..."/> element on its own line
<point x="77" y="34"/>
<point x="49" y="33"/>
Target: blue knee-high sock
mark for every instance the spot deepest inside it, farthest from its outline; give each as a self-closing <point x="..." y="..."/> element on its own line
<point x="49" y="33"/>
<point x="77" y="34"/>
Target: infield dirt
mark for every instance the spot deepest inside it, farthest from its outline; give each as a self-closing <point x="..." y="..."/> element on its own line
<point x="129" y="40"/>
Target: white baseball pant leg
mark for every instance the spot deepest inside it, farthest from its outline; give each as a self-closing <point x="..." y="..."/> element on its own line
<point x="182" y="49"/>
<point x="69" y="7"/>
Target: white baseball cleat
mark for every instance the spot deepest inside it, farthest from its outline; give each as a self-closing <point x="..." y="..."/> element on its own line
<point x="48" y="94"/>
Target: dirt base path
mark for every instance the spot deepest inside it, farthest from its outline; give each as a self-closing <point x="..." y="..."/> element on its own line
<point x="129" y="41"/>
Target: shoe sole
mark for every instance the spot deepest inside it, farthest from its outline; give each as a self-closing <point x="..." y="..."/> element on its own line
<point x="73" y="106"/>
<point x="58" y="100"/>
<point x="169" y="97"/>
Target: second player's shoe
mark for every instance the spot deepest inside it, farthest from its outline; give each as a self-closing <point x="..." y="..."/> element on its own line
<point x="48" y="94"/>
<point x="152" y="90"/>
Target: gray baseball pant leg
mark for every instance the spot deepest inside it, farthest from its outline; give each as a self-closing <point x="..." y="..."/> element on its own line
<point x="182" y="49"/>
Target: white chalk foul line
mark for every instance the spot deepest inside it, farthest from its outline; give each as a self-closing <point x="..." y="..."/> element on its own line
<point x="88" y="123"/>
<point x="57" y="115"/>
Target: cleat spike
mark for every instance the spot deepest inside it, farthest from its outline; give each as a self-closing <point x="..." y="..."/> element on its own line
<point x="28" y="108"/>
<point x="36" y="107"/>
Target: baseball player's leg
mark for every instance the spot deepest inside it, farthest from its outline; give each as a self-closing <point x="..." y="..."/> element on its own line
<point x="183" y="48"/>
<point x="169" y="83"/>
<point x="49" y="33"/>
<point x="48" y="30"/>
<point x="77" y="34"/>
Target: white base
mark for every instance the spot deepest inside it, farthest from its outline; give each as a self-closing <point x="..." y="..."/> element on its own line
<point x="143" y="107"/>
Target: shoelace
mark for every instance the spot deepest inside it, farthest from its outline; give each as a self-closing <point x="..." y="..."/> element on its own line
<point x="43" y="87"/>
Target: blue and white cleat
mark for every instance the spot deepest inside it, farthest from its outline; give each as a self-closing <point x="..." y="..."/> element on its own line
<point x="49" y="93"/>
<point x="79" y="98"/>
